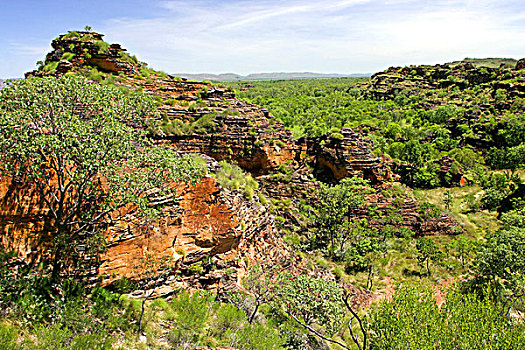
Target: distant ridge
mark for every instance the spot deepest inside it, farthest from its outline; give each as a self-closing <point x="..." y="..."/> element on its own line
<point x="266" y="76"/>
<point x="492" y="62"/>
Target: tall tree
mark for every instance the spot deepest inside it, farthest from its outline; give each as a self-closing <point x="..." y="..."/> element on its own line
<point x="70" y="140"/>
<point x="336" y="226"/>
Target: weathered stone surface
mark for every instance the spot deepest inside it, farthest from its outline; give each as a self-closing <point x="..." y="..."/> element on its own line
<point x="238" y="131"/>
<point x="414" y="79"/>
<point x="520" y="64"/>
<point x="205" y="221"/>
<point x="449" y="172"/>
<point x="209" y="234"/>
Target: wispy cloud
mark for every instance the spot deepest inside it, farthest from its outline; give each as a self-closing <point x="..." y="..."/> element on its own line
<point x="18" y="48"/>
<point x="327" y="36"/>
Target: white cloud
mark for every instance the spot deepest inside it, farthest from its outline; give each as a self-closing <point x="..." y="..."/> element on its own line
<point x="27" y="50"/>
<point x="329" y="36"/>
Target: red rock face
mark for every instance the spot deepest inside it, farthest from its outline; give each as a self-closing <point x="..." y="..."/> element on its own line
<point x="205" y="221"/>
<point x="23" y="220"/>
<point x="209" y="235"/>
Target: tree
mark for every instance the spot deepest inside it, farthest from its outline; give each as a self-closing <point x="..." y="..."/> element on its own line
<point x="466" y="248"/>
<point x="428" y="251"/>
<point x="502" y="258"/>
<point x="259" y="282"/>
<point x="68" y="139"/>
<point x="335" y="208"/>
<point x="313" y="303"/>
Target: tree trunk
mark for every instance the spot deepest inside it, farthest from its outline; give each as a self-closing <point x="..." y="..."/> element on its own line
<point x="254" y="312"/>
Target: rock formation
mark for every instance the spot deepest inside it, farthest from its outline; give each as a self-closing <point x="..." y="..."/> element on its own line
<point x="210" y="233"/>
<point x="203" y="221"/>
<point x="412" y="80"/>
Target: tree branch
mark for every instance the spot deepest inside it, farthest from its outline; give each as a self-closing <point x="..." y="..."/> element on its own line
<point x="354" y="315"/>
<point x="317" y="333"/>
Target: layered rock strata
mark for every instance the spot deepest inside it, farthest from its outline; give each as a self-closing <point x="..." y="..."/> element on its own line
<point x="209" y="234"/>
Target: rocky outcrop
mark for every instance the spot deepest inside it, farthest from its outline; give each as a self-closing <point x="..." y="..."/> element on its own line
<point x="347" y="156"/>
<point x="520" y="64"/>
<point x="206" y="235"/>
<point x="414" y="80"/>
<point x="210" y="233"/>
<point x="200" y="118"/>
<point x="84" y="50"/>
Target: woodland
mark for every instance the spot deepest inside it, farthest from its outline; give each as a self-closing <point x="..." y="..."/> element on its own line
<point x="90" y="140"/>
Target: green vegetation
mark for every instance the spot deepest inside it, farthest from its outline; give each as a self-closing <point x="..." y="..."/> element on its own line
<point x="487" y="62"/>
<point x="103" y="47"/>
<point x="416" y="127"/>
<point x="413" y="319"/>
<point x="68" y="56"/>
<point x="438" y="129"/>
<point x="42" y="137"/>
<point x="232" y="177"/>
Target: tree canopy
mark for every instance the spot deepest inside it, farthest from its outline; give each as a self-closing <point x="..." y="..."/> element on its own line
<point x="79" y="146"/>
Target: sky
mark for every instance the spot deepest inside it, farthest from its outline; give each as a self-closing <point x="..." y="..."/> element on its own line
<point x="254" y="36"/>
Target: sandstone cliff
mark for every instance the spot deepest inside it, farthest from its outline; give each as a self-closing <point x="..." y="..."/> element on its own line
<point x="209" y="233"/>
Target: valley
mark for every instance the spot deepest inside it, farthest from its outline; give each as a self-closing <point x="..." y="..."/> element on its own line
<point x="139" y="210"/>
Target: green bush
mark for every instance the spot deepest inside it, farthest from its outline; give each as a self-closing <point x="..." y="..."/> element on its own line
<point x="234" y="178"/>
<point x="68" y="56"/>
<point x="413" y="320"/>
<point x="103" y="47"/>
<point x="192" y="313"/>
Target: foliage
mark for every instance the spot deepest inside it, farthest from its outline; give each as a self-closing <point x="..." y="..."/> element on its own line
<point x="232" y="177"/>
<point x="103" y="47"/>
<point x="199" y="320"/>
<point x="336" y="228"/>
<point x="501" y="258"/>
<point x="428" y="251"/>
<point x="67" y="138"/>
<point x="414" y="126"/>
<point x="68" y="56"/>
<point x="192" y="314"/>
<point x="312" y="301"/>
<point x="414" y="320"/>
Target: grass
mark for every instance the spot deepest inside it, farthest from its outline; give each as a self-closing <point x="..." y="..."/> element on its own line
<point x="399" y="263"/>
<point x="234" y="178"/>
<point x="476" y="223"/>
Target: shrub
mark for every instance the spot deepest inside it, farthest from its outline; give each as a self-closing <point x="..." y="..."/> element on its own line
<point x="103" y="47"/>
<point x="413" y="320"/>
<point x="192" y="313"/>
<point x="68" y="56"/>
<point x="233" y="178"/>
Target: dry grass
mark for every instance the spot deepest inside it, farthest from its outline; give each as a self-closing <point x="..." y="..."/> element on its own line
<point x="476" y="223"/>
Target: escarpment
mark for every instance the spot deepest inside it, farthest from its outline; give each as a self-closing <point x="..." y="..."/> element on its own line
<point x="208" y="233"/>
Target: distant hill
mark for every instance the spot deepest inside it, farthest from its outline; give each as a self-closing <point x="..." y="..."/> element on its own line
<point x="266" y="76"/>
<point x="487" y="62"/>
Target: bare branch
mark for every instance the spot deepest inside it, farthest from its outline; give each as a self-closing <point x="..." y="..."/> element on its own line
<point x="354" y="315"/>
<point x="316" y="333"/>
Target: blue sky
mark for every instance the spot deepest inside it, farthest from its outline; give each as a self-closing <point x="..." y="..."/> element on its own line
<point x="249" y="36"/>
